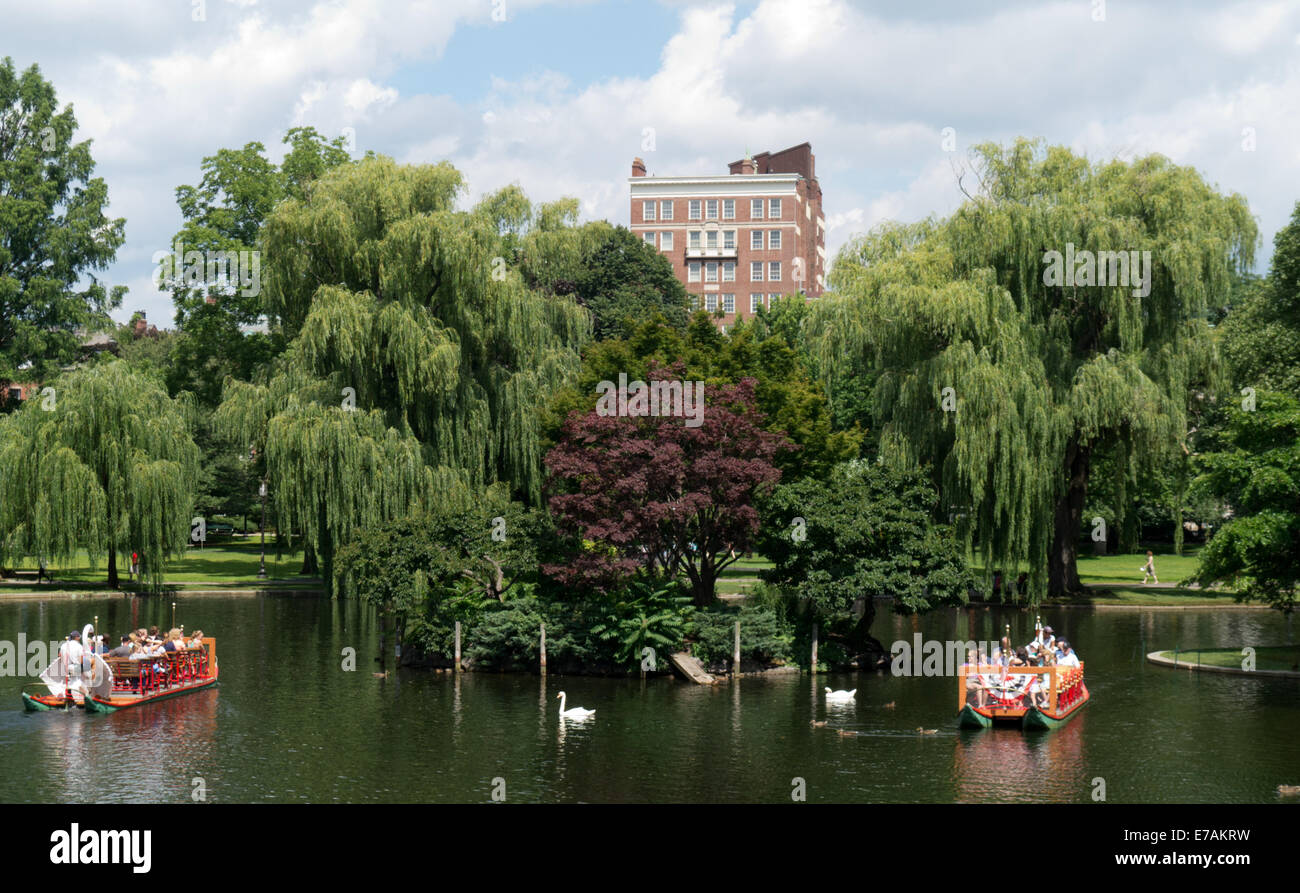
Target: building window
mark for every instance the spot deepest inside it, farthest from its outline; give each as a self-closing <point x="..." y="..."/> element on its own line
<point x="774" y="271"/>
<point x="756" y="239"/>
<point x="755" y="301"/>
<point x="693" y="272"/>
<point x="666" y="241"/>
<point x="756" y="271"/>
<point x="711" y="239"/>
<point x="648" y="210"/>
<point x="665" y="210"/>
<point x="710" y="303"/>
<point x="693" y="300"/>
<point x="774" y="208"/>
<point x="649" y="239"/>
<point x="728" y="303"/>
<point x="729" y="239"/>
<point x="729" y="271"/>
<point x="756" y="209"/>
<point x="711" y="271"/>
<point x="694" y="209"/>
<point x="728" y="209"/>
<point x="774" y="239"/>
<point x="711" y="209"/>
<point x="694" y="239"/>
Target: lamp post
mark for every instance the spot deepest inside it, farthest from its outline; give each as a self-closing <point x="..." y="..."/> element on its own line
<point x="261" y="570"/>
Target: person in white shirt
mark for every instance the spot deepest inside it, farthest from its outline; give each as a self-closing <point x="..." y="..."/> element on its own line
<point x="1068" y="657"/>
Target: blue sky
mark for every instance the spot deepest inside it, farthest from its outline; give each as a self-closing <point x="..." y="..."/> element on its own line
<point x="557" y="96"/>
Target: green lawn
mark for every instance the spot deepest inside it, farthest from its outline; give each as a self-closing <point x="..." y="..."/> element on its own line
<point x="229" y="561"/>
<point x="1153" y="595"/>
<point x="1125" y="569"/>
<point x="1277" y="657"/>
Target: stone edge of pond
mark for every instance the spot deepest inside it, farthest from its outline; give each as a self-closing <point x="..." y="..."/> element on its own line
<point x="73" y="594"/>
<point x="1157" y="657"/>
<point x="1229" y="606"/>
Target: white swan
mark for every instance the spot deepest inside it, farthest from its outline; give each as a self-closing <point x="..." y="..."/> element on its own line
<point x="573" y="712"/>
<point x="840" y="695"/>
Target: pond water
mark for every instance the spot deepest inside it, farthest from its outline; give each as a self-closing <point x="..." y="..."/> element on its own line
<point x="288" y="724"/>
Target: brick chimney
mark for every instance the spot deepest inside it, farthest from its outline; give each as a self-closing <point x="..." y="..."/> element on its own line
<point x="747" y="166"/>
<point x="638" y="167"/>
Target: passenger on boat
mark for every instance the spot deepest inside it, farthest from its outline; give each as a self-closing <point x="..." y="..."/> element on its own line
<point x="123" y="650"/>
<point x="173" y="640"/>
<point x="975" y="688"/>
<point x="1040" y="690"/>
<point x="72" y="653"/>
<point x="196" y="641"/>
<point x="1068" y="657"/>
<point x="1020" y="658"/>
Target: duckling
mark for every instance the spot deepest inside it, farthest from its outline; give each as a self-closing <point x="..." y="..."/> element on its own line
<point x="1289" y="790"/>
<point x="819" y="725"/>
<point x="845" y="733"/>
<point x="890" y="706"/>
<point x="926" y="731"/>
<point x="383" y="675"/>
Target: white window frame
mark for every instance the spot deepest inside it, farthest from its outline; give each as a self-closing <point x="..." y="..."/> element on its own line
<point x="693" y="239"/>
<point x="729" y="271"/>
<point x="649" y="238"/>
<point x="756" y="209"/>
<point x="729" y="239"/>
<point x="711" y="271"/>
<point x="774" y="238"/>
<point x="666" y="241"/>
<point x="694" y="209"/>
<point x="666" y="210"/>
<point x="693" y="271"/>
<point x="711" y="302"/>
<point x="711" y="238"/>
<point x="710" y="209"/>
<point x="755" y="240"/>
<point x="648" y="210"/>
<point x="773" y="209"/>
<point x="774" y="271"/>
<point x="728" y="209"/>
<point x="755" y="301"/>
<point x="756" y="267"/>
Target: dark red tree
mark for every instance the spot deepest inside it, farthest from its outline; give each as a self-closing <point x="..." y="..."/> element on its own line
<point x="652" y="493"/>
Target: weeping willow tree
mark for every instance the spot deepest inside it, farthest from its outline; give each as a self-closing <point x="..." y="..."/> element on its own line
<point x="103" y="462"/>
<point x="1011" y="340"/>
<point x="418" y="358"/>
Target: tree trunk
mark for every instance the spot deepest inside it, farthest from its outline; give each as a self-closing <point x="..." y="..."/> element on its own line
<point x="309" y="565"/>
<point x="112" y="567"/>
<point x="1062" y="561"/>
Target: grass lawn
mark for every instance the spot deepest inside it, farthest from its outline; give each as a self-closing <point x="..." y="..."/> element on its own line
<point x="235" y="560"/>
<point x="1124" y="569"/>
<point x="1151" y="595"/>
<point x="1277" y="657"/>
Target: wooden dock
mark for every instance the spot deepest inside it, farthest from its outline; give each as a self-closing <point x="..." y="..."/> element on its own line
<point x="691" y="668"/>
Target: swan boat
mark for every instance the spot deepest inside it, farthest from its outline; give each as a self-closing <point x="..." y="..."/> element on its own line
<point x="1014" y="696"/>
<point x="114" y="684"/>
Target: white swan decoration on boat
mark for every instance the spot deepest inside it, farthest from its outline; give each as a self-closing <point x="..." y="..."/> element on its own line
<point x="573" y="712"/>
<point x="840" y="695"/>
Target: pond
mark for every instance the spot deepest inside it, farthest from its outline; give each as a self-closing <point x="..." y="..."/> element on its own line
<point x="288" y="724"/>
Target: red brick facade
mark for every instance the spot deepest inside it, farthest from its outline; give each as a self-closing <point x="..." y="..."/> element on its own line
<point x="738" y="240"/>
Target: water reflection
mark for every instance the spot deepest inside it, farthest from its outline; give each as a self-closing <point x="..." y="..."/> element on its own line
<point x="1008" y="764"/>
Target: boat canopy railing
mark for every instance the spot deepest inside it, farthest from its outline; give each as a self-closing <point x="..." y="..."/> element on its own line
<point x="1062" y="682"/>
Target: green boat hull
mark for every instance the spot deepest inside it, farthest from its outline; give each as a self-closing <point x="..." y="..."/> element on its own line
<point x="970" y="719"/>
<point x="1037" y="719"/>
<point x="32" y="705"/>
<point x="94" y="705"/>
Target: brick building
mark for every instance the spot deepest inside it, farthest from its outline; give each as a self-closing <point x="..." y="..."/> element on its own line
<point x="738" y="240"/>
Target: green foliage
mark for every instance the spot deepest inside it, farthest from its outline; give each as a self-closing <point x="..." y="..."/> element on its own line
<point x="1040" y="372"/>
<point x="1262" y="332"/>
<point x="865" y="532"/>
<point x="105" y="463"/>
<point x="53" y="232"/>
<point x="644" y="616"/>
<point x="767" y="634"/>
<point x="1253" y="464"/>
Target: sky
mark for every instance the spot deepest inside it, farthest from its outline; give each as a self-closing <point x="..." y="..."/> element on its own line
<point x="560" y="96"/>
